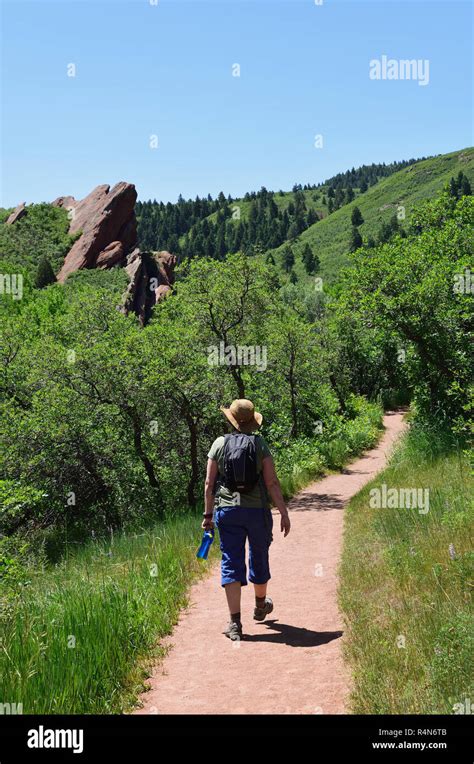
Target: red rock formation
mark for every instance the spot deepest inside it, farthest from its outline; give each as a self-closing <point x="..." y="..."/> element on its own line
<point x="107" y="221"/>
<point x="106" y="218"/>
<point x="151" y="277"/>
<point x="64" y="201"/>
<point x="166" y="265"/>
<point x="17" y="213"/>
<point x="110" y="256"/>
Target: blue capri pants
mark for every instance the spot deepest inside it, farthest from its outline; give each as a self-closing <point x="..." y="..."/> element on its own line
<point x="237" y="524"/>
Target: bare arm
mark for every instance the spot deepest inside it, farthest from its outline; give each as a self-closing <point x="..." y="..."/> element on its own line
<point x="211" y="475"/>
<point x="274" y="489"/>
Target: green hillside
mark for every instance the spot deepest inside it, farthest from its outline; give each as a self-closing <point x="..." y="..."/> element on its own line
<point x="283" y="199"/>
<point x="330" y="237"/>
<point x="258" y="221"/>
<point x="42" y="233"/>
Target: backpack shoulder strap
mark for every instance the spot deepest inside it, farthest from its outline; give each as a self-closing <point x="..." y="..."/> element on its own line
<point x="261" y="483"/>
<point x="258" y="446"/>
<point x="227" y="437"/>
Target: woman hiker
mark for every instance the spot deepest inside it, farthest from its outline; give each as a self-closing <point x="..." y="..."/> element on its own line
<point x="240" y="471"/>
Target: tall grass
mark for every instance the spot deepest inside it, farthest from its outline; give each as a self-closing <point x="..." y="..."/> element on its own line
<point x="73" y="639"/>
<point x="406" y="581"/>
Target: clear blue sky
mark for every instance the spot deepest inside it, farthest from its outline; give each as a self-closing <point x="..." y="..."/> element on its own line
<point x="166" y="70"/>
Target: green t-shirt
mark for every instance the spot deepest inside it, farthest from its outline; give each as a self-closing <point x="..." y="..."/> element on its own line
<point x="226" y="498"/>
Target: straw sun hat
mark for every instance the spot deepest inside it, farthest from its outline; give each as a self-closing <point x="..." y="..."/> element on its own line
<point x="242" y="415"/>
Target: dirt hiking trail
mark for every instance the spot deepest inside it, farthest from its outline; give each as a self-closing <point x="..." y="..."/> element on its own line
<point x="292" y="662"/>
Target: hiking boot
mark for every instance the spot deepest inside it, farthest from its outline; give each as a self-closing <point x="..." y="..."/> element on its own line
<point x="234" y="631"/>
<point x="260" y="613"/>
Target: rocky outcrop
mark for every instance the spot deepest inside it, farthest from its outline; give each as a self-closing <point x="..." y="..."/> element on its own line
<point x="166" y="263"/>
<point x="107" y="237"/>
<point x="111" y="255"/>
<point x="106" y="219"/>
<point x="64" y="201"/>
<point x="151" y="278"/>
<point x="18" y="213"/>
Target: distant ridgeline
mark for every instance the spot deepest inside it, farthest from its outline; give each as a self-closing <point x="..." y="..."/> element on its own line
<point x="260" y="221"/>
<point x="308" y="231"/>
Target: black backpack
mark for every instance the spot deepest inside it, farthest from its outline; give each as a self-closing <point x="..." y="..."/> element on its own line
<point x="240" y="462"/>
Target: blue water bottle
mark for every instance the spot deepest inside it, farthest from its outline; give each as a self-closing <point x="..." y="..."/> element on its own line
<point x="207" y="539"/>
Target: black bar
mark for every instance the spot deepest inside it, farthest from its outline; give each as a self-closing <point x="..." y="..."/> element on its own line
<point x="141" y="737"/>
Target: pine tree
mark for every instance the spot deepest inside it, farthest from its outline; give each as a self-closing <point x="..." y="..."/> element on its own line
<point x="459" y="186"/>
<point x="356" y="217"/>
<point x="239" y="236"/>
<point x="220" y="243"/>
<point x="339" y="199"/>
<point x="394" y="224"/>
<point x="288" y="259"/>
<point x="453" y="188"/>
<point x="385" y="233"/>
<point x="356" y="239"/>
<point x="363" y="186"/>
<point x="465" y="187"/>
<point x="293" y="230"/>
<point x="308" y="259"/>
<point x="210" y="246"/>
<point x="300" y="221"/>
<point x="44" y="274"/>
<point x="272" y="210"/>
<point x="173" y="244"/>
<point x="293" y="277"/>
<point x="350" y="194"/>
